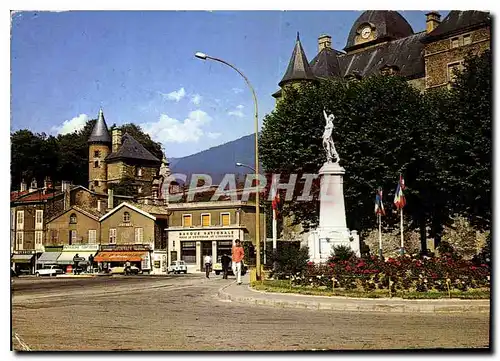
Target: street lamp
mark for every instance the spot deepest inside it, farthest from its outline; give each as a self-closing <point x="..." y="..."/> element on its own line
<point x="204" y="56"/>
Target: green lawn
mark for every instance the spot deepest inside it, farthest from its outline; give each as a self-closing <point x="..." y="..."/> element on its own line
<point x="283" y="286"/>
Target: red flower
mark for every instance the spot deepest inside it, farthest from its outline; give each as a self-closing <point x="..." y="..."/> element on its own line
<point x="360" y="264"/>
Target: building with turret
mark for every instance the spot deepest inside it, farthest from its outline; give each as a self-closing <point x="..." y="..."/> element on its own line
<point x="383" y="42"/>
<point x="119" y="157"/>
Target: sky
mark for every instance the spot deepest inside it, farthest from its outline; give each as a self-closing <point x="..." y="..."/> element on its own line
<point x="139" y="66"/>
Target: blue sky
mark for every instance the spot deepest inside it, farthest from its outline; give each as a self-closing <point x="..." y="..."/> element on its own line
<point x="140" y="67"/>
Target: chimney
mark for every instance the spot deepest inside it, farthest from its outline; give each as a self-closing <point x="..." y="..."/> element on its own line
<point x="98" y="205"/>
<point x="33" y="185"/>
<point x="116" y="136"/>
<point x="324" y="41"/>
<point x="433" y="20"/>
<point x="66" y="188"/>
<point x="24" y="186"/>
<point x="110" y="199"/>
<point x="47" y="184"/>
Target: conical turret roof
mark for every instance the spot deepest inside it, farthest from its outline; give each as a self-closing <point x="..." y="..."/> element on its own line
<point x="100" y="133"/>
<point x="298" y="67"/>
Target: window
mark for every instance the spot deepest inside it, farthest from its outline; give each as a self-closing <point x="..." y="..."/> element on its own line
<point x="112" y="235"/>
<point x="225" y="219"/>
<point x="138" y="172"/>
<point x="188" y="252"/>
<point x="72" y="237"/>
<point x="205" y="220"/>
<point x="96" y="164"/>
<point x="92" y="236"/>
<point x="19" y="240"/>
<point x="186" y="220"/>
<point x="173" y="244"/>
<point x="96" y="183"/>
<point x="97" y="153"/>
<point x="139" y="235"/>
<point x="39" y="219"/>
<point x="20" y="219"/>
<point x="38" y="237"/>
<point x="467" y="39"/>
<point x="72" y="218"/>
<point x="126" y="217"/>
<point x="453" y="68"/>
<point x="455" y="43"/>
<point x="53" y="236"/>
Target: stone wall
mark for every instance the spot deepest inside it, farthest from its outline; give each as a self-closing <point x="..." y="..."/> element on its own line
<point x="98" y="174"/>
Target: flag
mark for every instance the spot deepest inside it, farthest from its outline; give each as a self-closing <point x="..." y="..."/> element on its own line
<point x="275" y="202"/>
<point x="379" y="205"/>
<point x="399" y="197"/>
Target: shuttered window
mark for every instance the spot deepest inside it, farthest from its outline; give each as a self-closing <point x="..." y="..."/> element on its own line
<point x="139" y="235"/>
<point x="225" y="220"/>
<point x="112" y="235"/>
<point x="186" y="220"/>
<point x="205" y="220"/>
<point x="92" y="236"/>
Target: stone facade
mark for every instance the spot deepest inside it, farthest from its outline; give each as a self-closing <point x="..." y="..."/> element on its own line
<point x="442" y="55"/>
<point x="73" y="227"/>
<point x="97" y="167"/>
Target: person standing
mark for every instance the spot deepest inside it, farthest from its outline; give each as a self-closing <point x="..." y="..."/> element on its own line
<point x="208" y="264"/>
<point x="237" y="257"/>
<point x="225" y="261"/>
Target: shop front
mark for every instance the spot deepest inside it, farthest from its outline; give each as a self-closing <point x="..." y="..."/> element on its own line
<point x="80" y="256"/>
<point x="191" y="246"/>
<point x="117" y="255"/>
<point x="22" y="262"/>
<point x="49" y="256"/>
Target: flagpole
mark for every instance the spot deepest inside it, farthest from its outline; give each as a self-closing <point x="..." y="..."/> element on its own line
<point x="380" y="235"/>
<point x="402" y="239"/>
<point x="275" y="230"/>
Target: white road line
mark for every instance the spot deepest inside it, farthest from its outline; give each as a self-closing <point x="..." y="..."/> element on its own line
<point x="21" y="342"/>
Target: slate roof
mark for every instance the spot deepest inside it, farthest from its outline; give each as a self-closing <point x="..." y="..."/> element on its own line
<point x="406" y="53"/>
<point x="326" y="63"/>
<point x="458" y="21"/>
<point x="132" y="149"/>
<point x="298" y="67"/>
<point x="100" y="133"/>
<point x="389" y="24"/>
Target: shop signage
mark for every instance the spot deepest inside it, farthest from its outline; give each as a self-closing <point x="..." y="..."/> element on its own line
<point x="80" y="247"/>
<point x="208" y="235"/>
<point x="126" y="247"/>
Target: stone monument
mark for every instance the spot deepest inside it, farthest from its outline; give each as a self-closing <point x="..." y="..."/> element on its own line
<point x="332" y="230"/>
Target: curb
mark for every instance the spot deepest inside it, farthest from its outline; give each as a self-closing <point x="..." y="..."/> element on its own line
<point x="361" y="305"/>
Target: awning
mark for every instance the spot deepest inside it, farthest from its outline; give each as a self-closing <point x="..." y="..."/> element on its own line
<point x="67" y="257"/>
<point x="120" y="256"/>
<point x="48" y="258"/>
<point x="22" y="258"/>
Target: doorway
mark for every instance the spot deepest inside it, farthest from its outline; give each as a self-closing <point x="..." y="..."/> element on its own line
<point x="206" y="249"/>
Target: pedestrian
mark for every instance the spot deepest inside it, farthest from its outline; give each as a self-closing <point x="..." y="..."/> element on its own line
<point x="208" y="265"/>
<point x="225" y="261"/>
<point x="127" y="267"/>
<point x="237" y="257"/>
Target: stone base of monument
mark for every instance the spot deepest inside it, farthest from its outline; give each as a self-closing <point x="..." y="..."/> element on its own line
<point x="322" y="241"/>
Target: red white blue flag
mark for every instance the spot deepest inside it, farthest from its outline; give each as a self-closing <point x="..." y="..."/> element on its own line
<point x="379" y="205"/>
<point x="275" y="202"/>
<point x="399" y="197"/>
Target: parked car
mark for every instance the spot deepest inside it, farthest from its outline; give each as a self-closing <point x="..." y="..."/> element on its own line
<point x="49" y="271"/>
<point x="177" y="267"/>
<point x="120" y="270"/>
<point x="217" y="268"/>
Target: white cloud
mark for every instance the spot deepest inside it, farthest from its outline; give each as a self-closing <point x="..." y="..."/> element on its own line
<point x="237" y="90"/>
<point x="175" y="95"/>
<point x="69" y="126"/>
<point x="171" y="130"/>
<point x="196" y="99"/>
<point x="213" y="135"/>
<point x="237" y="113"/>
<point x="240" y="106"/>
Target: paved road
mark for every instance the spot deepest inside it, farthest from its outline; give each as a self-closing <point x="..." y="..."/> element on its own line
<point x="183" y="313"/>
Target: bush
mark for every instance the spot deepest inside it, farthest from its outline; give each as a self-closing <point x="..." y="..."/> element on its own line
<point x="289" y="260"/>
<point x="341" y="253"/>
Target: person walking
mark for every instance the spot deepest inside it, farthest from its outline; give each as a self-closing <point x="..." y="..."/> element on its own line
<point x="237" y="257"/>
<point x="208" y="264"/>
<point x="225" y="261"/>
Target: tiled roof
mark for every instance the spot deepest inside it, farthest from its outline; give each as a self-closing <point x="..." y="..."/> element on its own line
<point x="326" y="63"/>
<point x="100" y="133"/>
<point x="458" y="21"/>
<point x="36" y="196"/>
<point x="152" y="209"/>
<point x="298" y="67"/>
<point x="132" y="149"/>
<point x="16" y="194"/>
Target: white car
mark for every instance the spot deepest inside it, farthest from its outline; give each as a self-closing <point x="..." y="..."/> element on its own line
<point x="49" y="271"/>
<point x="177" y="267"/>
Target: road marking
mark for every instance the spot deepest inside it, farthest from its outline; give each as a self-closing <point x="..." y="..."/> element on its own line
<point x="21" y="342"/>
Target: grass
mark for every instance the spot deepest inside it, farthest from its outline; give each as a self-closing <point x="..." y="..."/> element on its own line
<point x="283" y="286"/>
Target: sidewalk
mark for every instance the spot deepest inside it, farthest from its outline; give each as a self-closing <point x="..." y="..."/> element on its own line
<point x="243" y="293"/>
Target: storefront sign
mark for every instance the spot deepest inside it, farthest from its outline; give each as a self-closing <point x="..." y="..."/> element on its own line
<point x="126" y="247"/>
<point x="81" y="247"/>
<point x="208" y="235"/>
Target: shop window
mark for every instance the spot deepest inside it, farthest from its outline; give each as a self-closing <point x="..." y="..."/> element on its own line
<point x="188" y="252"/>
<point x="205" y="220"/>
<point x="225" y="219"/>
<point x="126" y="217"/>
<point x="72" y="218"/>
<point x="224" y="247"/>
<point x="139" y="232"/>
<point x="186" y="220"/>
<point x="92" y="236"/>
<point x="112" y="235"/>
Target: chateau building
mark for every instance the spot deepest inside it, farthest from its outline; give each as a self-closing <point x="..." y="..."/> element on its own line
<point x="383" y="42"/>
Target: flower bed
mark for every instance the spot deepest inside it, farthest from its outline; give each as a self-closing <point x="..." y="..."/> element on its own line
<point x="405" y="273"/>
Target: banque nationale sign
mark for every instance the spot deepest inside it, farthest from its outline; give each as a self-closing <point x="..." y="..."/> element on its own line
<point x="202" y="235"/>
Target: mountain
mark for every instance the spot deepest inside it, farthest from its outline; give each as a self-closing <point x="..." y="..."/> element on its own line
<point x="218" y="161"/>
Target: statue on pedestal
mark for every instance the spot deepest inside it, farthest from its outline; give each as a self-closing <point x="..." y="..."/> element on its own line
<point x="328" y="144"/>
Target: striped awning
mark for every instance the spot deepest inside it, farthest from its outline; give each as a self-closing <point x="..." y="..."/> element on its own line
<point x="120" y="256"/>
<point x="21" y="258"/>
<point x="48" y="258"/>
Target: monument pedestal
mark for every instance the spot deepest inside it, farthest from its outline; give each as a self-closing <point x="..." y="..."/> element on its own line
<point x="332" y="230"/>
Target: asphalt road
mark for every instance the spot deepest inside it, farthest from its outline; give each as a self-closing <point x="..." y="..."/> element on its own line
<point x="183" y="313"/>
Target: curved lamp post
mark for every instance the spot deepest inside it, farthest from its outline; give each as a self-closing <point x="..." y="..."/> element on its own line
<point x="204" y="56"/>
